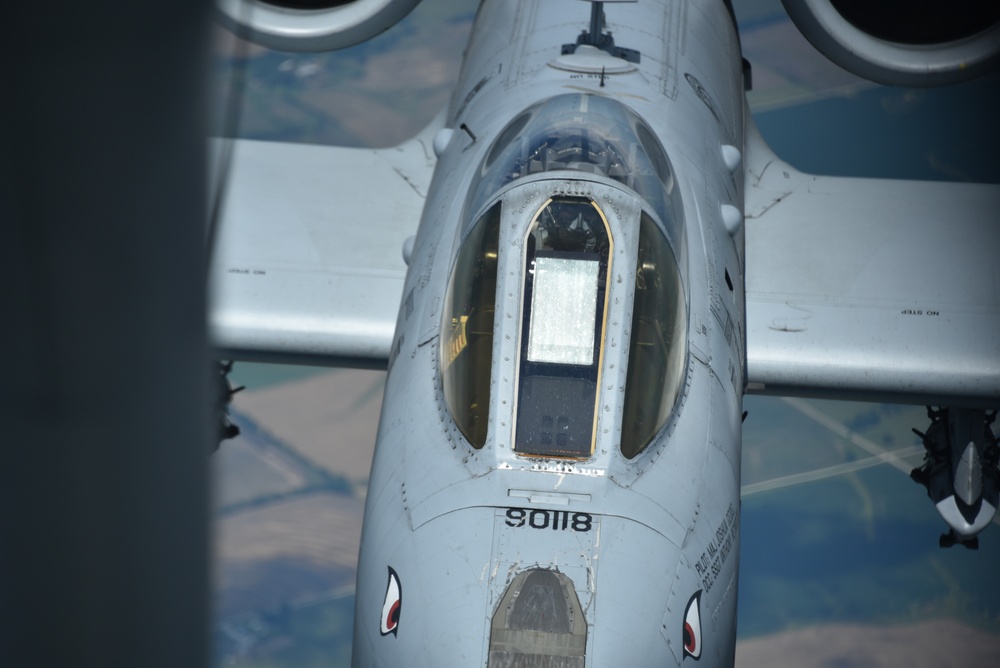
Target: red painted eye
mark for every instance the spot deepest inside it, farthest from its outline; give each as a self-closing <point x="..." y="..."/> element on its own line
<point x="393" y="615"/>
<point x="692" y="627"/>
<point x="389" y="622"/>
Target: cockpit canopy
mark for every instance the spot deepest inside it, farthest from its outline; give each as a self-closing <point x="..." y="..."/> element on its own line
<point x="578" y="132"/>
<point x="562" y="248"/>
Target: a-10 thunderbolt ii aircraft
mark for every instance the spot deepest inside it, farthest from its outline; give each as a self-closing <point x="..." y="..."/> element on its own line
<point x="608" y="257"/>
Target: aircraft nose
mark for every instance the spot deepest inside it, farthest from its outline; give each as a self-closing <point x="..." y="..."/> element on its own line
<point x="562" y="588"/>
<point x="966" y="520"/>
<point x="539" y="622"/>
<point x="612" y="593"/>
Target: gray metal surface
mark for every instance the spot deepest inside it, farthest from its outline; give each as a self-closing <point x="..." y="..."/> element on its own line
<point x="893" y="63"/>
<point x="290" y="26"/>
<point x="310" y="265"/>
<point x="642" y="534"/>
<point x="871" y="289"/>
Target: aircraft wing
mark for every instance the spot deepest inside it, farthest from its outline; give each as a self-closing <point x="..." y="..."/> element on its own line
<point x="308" y="266"/>
<point x="871" y="289"/>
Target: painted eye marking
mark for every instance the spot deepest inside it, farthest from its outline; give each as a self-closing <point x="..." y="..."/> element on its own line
<point x="692" y="627"/>
<point x="391" y="605"/>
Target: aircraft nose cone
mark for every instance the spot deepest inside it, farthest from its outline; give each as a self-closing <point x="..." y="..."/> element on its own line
<point x="968" y="481"/>
<point x="559" y="588"/>
<point x="966" y="520"/>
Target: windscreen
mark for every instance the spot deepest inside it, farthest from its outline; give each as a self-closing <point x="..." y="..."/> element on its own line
<point x="583" y="133"/>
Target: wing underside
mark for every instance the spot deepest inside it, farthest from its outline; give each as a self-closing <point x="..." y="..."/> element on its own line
<point x="871" y="289"/>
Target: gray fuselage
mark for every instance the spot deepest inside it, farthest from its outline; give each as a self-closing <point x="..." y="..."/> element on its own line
<point x="459" y="507"/>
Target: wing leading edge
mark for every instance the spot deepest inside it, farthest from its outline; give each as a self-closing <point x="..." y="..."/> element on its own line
<point x="308" y="265"/>
<point x="871" y="289"/>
